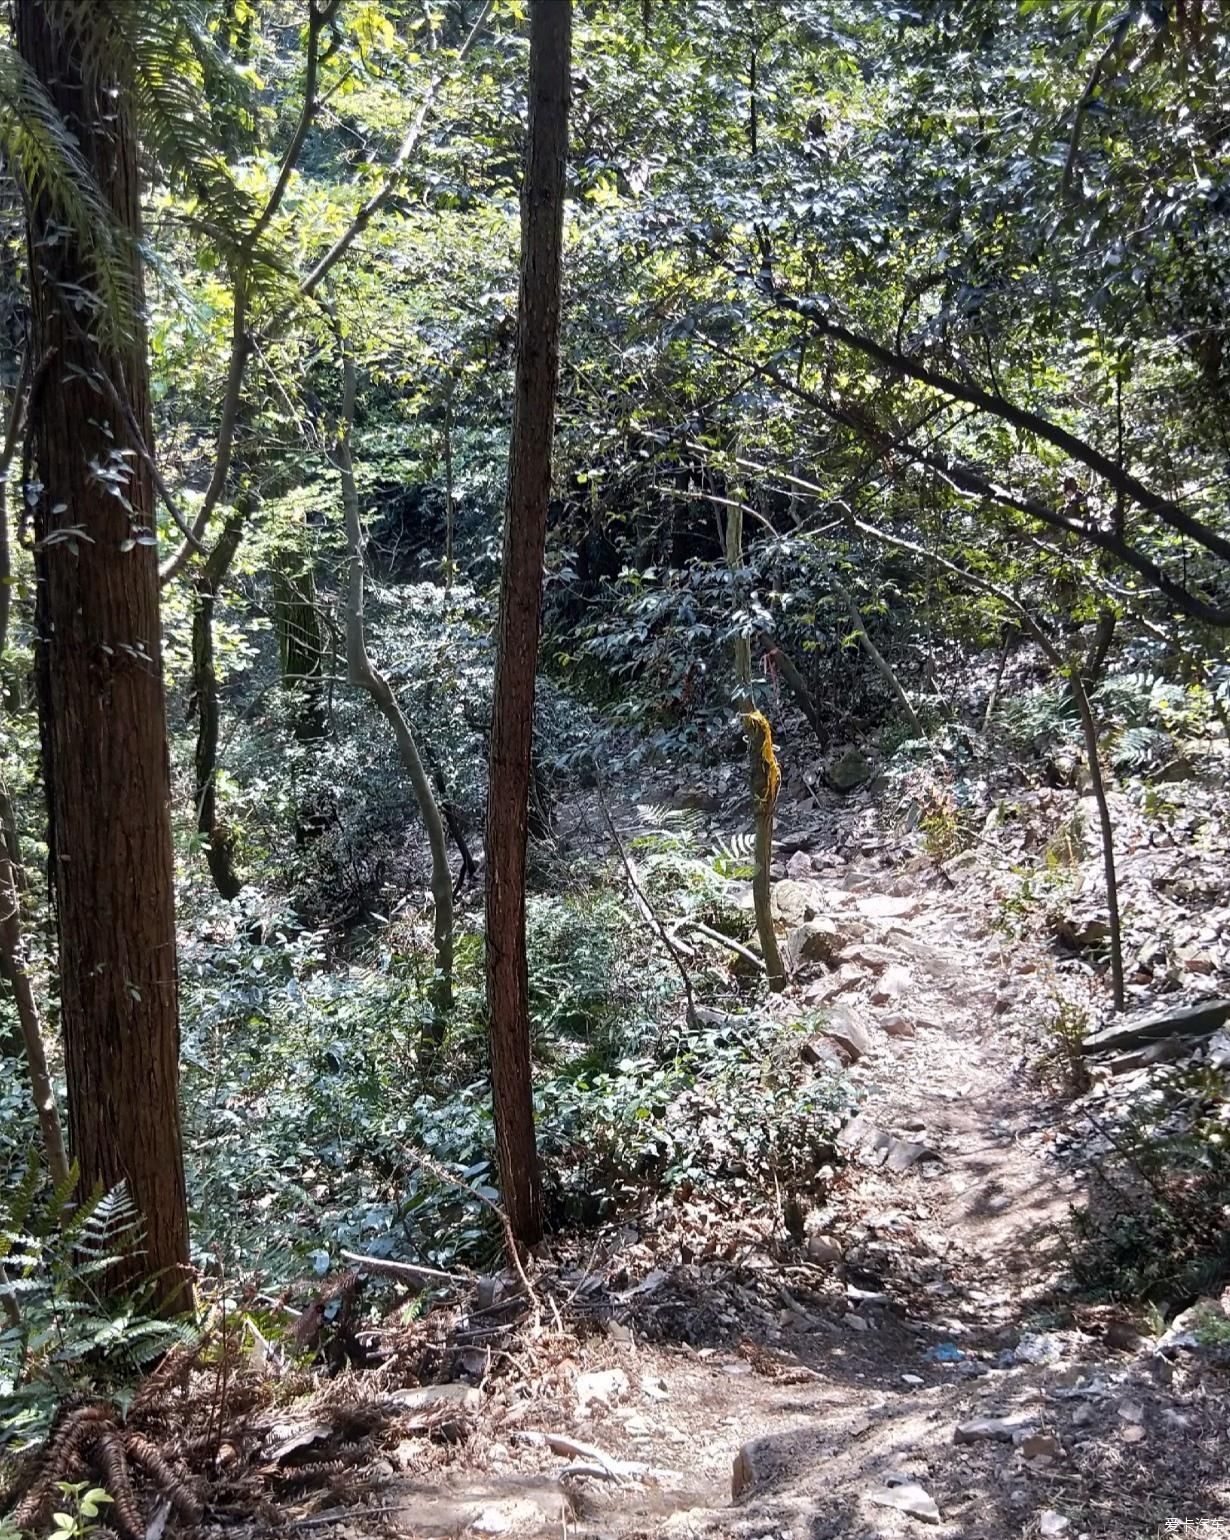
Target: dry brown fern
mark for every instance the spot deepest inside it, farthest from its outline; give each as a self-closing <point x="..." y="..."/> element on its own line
<point x="92" y="1439"/>
<point x="174" y="1369"/>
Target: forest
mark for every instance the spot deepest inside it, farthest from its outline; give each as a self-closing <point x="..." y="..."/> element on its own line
<point x="614" y="727"/>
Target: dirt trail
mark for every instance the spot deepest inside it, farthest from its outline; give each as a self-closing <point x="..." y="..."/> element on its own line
<point x="947" y="1256"/>
<point x="829" y="1402"/>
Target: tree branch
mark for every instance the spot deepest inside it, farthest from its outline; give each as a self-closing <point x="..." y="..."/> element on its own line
<point x="814" y="313"/>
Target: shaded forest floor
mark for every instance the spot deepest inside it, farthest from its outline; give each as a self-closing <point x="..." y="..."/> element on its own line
<point x="923" y="1335"/>
<point x="706" y="1366"/>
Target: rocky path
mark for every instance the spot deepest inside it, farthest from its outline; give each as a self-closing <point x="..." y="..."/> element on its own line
<point x="906" y="1362"/>
<point x="914" y="1372"/>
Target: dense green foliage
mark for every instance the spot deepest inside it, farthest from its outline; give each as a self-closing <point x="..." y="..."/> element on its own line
<point x="915" y="294"/>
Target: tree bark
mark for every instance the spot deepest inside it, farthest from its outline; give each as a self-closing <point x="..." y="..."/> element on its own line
<point x="301" y="640"/>
<point x="99" y="666"/>
<point x="362" y="672"/>
<point x="525" y="527"/>
<point x="765" y="782"/>
<point x="781" y="660"/>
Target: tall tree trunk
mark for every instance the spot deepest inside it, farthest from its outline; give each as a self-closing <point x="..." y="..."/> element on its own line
<point x="99" y="665"/>
<point x="363" y="672"/>
<point x="525" y="530"/>
<point x="216" y="838"/>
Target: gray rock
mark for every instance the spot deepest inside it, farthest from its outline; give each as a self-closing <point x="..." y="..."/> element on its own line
<point x="1192" y="1021"/>
<point x="849" y="770"/>
<point x="822" y="1053"/>
<point x="907" y="1497"/>
<point x="883" y="906"/>
<point x="894" y="983"/>
<point x="814" y="941"/>
<point x="823" y="1248"/>
<point x="901" y="1154"/>
<point x="799" y="866"/>
<point x="1038" y="1347"/>
<point x="845" y="1029"/>
<point x="795" y="902"/>
<point x="1041" y="1446"/>
<point x="868" y="956"/>
<point x="999" y="1429"/>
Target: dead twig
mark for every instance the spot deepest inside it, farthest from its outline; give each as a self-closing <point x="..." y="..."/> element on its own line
<point x="407" y="1272"/>
<point x="718" y="939"/>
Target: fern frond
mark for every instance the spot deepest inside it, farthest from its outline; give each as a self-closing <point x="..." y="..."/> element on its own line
<point x="191" y="103"/>
<point x="45" y="155"/>
<point x="16" y="1215"/>
<point x="739" y="849"/>
<point x="109" y="1226"/>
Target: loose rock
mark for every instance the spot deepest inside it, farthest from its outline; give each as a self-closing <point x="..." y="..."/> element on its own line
<point x="844" y="1028"/>
<point x="823" y="1248"/>
<point x="813" y="941"/>
<point x="909" y="1498"/>
<point x="849" y="770"/>
<point x="602" y="1385"/>
<point x="1000" y="1429"/>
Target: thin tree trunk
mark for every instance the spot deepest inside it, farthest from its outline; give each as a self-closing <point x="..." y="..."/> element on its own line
<point x="367" y="677"/>
<point x="743" y="642"/>
<point x="525" y="528"/>
<point x="879" y="661"/>
<point x="449" y="506"/>
<point x="1001" y="663"/>
<point x="765" y="781"/>
<point x="1099" y="648"/>
<point x="1093" y="754"/>
<point x="99" y="667"/>
<point x="301" y="642"/>
<point x="797" y="685"/>
<point x="218" y="845"/>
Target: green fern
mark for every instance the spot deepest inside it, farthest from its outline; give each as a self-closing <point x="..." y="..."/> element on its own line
<point x="735" y="858"/>
<point x="188" y="101"/>
<point x="74" y="1333"/>
<point x="38" y="143"/>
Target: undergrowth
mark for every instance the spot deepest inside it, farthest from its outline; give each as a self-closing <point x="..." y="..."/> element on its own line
<point x="1155" y="1228"/>
<point x="67" y="1330"/>
<point x="306" y="1103"/>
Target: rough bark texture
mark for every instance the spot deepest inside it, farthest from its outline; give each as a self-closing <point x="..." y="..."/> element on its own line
<point x="512" y="726"/>
<point x="100" y="686"/>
